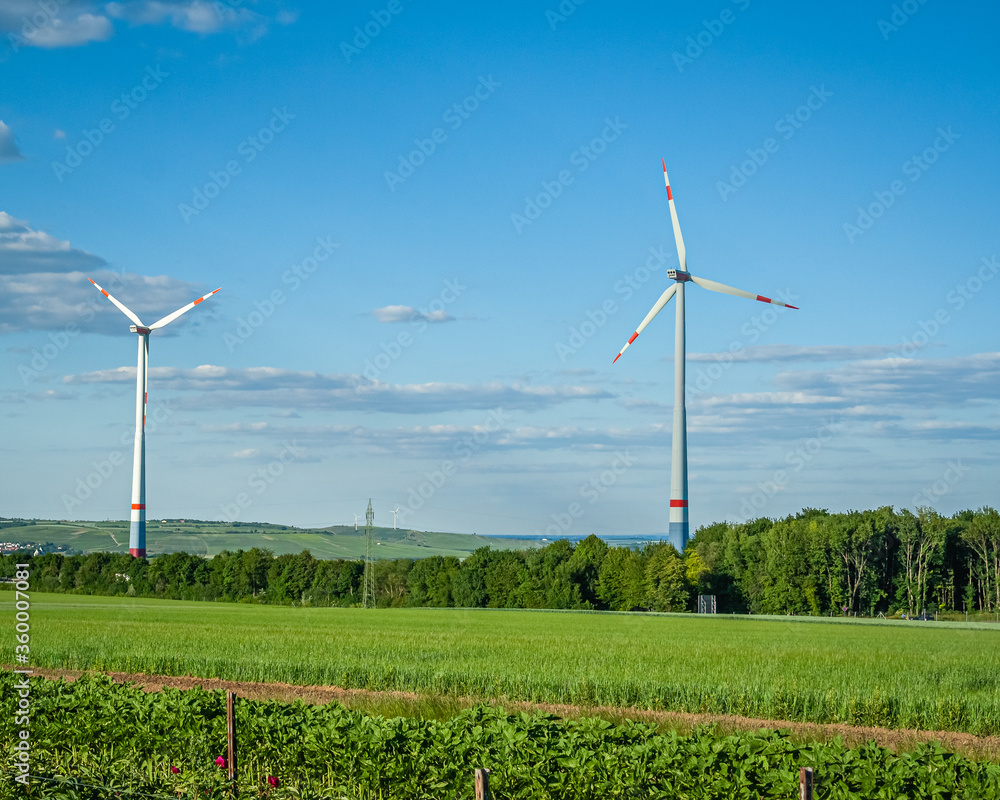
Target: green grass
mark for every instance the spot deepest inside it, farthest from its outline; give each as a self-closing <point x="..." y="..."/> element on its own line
<point x="934" y="676"/>
<point x="209" y="539"/>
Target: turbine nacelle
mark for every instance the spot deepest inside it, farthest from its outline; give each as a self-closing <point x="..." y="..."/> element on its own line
<point x="139" y="329"/>
<point x="678" y="275"/>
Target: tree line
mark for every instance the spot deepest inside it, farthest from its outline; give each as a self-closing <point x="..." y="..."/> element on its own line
<point x="814" y="562"/>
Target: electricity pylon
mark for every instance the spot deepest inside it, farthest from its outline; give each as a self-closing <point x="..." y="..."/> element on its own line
<point x="368" y="594"/>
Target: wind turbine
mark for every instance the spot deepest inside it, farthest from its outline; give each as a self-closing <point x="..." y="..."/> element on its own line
<point x="355" y="522"/>
<point x="678" y="529"/>
<point x="137" y="519"/>
<point x="394" y="513"/>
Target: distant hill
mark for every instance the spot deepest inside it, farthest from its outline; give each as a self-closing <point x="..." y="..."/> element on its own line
<point x="209" y="538"/>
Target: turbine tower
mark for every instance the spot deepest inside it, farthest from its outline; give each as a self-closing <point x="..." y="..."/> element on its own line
<point x="394" y="512"/>
<point x="137" y="517"/>
<point x="678" y="529"/>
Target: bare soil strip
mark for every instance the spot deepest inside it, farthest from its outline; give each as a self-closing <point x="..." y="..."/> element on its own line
<point x="983" y="748"/>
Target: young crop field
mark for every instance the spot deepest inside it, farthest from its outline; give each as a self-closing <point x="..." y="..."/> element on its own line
<point x="931" y="676"/>
<point x="94" y="739"/>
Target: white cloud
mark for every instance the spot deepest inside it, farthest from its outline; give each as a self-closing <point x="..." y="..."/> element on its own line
<point x="409" y="314"/>
<point x="445" y="440"/>
<point x="904" y="381"/>
<point x="71" y="32"/>
<point x="745" y="400"/>
<point x="271" y="387"/>
<point x="61" y="23"/>
<point x="70" y="23"/>
<point x="195" y="16"/>
<point x="44" y="286"/>
<point x="9" y="151"/>
<point x="785" y="352"/>
<point x="24" y="250"/>
<point x="51" y="301"/>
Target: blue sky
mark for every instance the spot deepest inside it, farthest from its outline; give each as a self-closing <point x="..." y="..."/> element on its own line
<point x="436" y="224"/>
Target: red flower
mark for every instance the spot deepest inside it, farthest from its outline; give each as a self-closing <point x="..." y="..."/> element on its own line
<point x="272" y="781"/>
<point x="174" y="770"/>
<point x="220" y="761"/>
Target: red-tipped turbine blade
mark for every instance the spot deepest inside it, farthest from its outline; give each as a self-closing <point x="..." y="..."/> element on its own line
<point x="121" y="307"/>
<point x="678" y="239"/>
<point x="715" y="286"/>
<point x="171" y="317"/>
<point x="664" y="299"/>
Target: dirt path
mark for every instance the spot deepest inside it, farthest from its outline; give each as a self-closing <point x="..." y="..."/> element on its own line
<point x="978" y="747"/>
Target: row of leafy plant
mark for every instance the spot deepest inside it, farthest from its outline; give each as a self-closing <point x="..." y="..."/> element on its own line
<point x="97" y="739"/>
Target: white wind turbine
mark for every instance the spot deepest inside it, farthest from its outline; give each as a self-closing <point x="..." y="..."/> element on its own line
<point x="678" y="528"/>
<point x="394" y="513"/>
<point x="355" y="522"/>
<point x="137" y="519"/>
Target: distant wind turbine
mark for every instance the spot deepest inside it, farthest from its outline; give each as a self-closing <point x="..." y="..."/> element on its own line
<point x="355" y="522"/>
<point x="678" y="529"/>
<point x="137" y="519"/>
<point x="394" y="513"/>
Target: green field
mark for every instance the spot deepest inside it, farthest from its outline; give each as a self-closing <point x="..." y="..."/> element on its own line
<point x="211" y="538"/>
<point x="935" y="676"/>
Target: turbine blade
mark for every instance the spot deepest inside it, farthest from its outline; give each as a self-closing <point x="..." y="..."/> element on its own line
<point x="121" y="307"/>
<point x="715" y="286"/>
<point x="664" y="299"/>
<point x="145" y="375"/>
<point x="678" y="239"/>
<point x="171" y="317"/>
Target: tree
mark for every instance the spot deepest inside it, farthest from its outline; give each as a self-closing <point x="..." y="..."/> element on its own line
<point x="547" y="581"/>
<point x="468" y="584"/>
<point x="709" y="544"/>
<point x="743" y="557"/>
<point x="584" y="567"/>
<point x="982" y="535"/>
<point x="921" y="539"/>
<point x="391" y="581"/>
<point x="857" y="539"/>
<point x="429" y="582"/>
<point x="621" y="580"/>
<point x="504" y="574"/>
<point x="666" y="584"/>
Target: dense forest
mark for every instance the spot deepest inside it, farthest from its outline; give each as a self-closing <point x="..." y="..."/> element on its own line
<point x="861" y="562"/>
